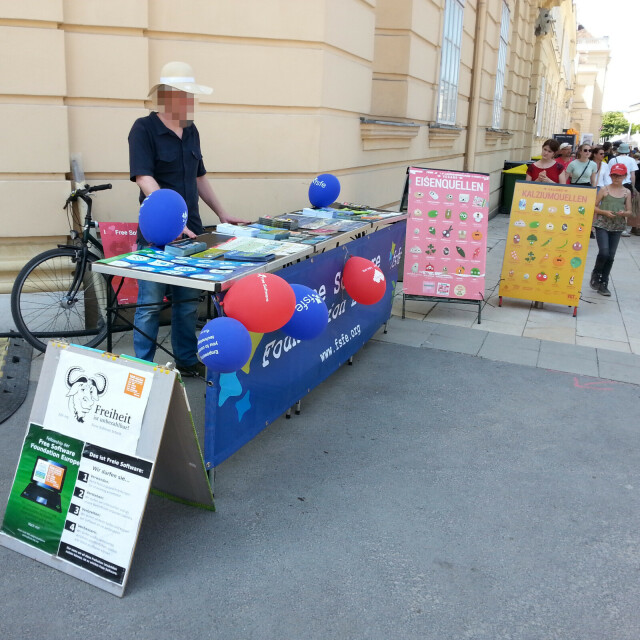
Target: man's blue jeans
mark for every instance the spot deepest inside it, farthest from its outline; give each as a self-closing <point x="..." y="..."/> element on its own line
<point x="184" y="314"/>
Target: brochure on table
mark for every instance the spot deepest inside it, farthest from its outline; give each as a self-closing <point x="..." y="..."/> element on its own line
<point x="547" y="242"/>
<point x="101" y="429"/>
<point x="446" y="241"/>
<point x="228" y="256"/>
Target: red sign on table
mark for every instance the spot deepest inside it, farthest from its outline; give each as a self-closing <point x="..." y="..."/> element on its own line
<point x="118" y="238"/>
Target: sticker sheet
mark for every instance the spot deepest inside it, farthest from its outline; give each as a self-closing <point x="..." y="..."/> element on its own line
<point x="547" y="242"/>
<point x="446" y="241"/>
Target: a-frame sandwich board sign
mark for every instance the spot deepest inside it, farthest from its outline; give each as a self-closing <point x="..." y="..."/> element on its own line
<point x="104" y="430"/>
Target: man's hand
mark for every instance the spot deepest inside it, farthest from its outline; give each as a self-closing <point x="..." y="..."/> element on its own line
<point x="186" y="232"/>
<point x="232" y="219"/>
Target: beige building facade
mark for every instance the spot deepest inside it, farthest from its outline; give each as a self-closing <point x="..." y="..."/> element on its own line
<point x="358" y="88"/>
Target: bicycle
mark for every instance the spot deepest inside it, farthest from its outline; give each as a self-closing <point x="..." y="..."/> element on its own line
<point x="56" y="294"/>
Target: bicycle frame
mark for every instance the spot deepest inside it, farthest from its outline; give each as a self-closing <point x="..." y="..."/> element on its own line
<point x="82" y="250"/>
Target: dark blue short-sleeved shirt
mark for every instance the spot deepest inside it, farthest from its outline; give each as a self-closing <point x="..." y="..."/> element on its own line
<point x="174" y="163"/>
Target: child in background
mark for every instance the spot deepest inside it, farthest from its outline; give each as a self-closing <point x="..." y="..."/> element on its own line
<point x="613" y="206"/>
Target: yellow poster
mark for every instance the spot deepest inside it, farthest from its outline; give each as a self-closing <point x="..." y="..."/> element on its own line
<point x="547" y="243"/>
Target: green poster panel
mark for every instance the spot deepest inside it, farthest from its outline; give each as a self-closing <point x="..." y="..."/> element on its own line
<point x="43" y="488"/>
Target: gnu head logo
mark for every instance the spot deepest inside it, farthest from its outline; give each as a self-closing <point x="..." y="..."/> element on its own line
<point x="84" y="391"/>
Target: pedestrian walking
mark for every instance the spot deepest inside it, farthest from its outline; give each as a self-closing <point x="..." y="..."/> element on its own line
<point x="547" y="169"/>
<point x="613" y="206"/>
<point x="602" y="168"/>
<point x="583" y="170"/>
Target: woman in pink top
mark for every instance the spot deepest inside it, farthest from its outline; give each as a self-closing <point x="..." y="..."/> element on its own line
<point x="547" y="169"/>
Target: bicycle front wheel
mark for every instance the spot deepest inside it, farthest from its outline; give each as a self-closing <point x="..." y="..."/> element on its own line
<point x="54" y="299"/>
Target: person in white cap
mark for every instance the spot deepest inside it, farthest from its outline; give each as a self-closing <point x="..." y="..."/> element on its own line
<point x="564" y="154"/>
<point x="164" y="153"/>
<point x="632" y="166"/>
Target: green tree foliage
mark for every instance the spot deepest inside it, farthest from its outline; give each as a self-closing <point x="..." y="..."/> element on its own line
<point x="613" y="122"/>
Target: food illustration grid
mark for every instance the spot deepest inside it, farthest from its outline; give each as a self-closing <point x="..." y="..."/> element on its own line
<point x="547" y="243"/>
<point x="446" y="241"/>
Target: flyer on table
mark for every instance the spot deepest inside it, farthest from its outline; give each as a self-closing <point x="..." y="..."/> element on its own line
<point x="446" y="241"/>
<point x="547" y="242"/>
<point x="98" y="401"/>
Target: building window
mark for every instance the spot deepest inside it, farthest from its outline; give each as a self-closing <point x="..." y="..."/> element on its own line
<point x="502" y="63"/>
<point x="450" y="62"/>
<point x="540" y="110"/>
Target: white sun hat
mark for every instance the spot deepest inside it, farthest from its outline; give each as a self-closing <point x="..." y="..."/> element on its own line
<point x="179" y="75"/>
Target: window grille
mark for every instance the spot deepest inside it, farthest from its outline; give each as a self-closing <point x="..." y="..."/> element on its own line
<point x="450" y="62"/>
<point x="502" y="63"/>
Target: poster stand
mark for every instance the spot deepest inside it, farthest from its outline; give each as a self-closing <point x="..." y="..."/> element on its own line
<point x="407" y="296"/>
<point x="446" y="238"/>
<point x="547" y="243"/>
<point x="83" y="481"/>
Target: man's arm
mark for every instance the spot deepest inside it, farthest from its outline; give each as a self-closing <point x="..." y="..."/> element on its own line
<point x="206" y="192"/>
<point x="148" y="185"/>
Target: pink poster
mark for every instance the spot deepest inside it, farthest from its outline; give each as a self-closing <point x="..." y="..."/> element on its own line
<point x="446" y="242"/>
<point x="118" y="238"/>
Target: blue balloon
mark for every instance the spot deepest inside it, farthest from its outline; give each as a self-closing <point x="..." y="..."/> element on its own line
<point x="163" y="216"/>
<point x="324" y="190"/>
<point x="224" y="345"/>
<point x="310" y="316"/>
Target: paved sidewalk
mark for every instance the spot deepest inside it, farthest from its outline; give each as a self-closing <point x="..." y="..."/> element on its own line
<point x="602" y="340"/>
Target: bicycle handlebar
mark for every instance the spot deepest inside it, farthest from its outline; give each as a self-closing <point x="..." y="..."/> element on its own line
<point x="83" y="193"/>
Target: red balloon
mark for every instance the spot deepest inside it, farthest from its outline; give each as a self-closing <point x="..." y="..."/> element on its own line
<point x="364" y="282"/>
<point x="262" y="302"/>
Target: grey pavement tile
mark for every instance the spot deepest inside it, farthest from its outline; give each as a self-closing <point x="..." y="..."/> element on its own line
<point x="614" y="330"/>
<point x="416" y="306"/>
<point x="569" y="358"/>
<point x="619" y="372"/>
<point x="555" y="335"/>
<point x="615" y="357"/>
<point x="408" y="332"/>
<point x="513" y="349"/>
<point x="568" y="350"/>
<point x="458" y="339"/>
<point x="596" y="343"/>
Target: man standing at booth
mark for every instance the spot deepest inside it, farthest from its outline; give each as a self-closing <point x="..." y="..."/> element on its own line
<point x="164" y="153"/>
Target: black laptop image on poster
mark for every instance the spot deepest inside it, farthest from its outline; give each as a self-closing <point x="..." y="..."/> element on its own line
<point x="46" y="483"/>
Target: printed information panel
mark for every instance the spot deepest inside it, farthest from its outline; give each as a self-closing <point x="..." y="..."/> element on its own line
<point x="98" y="401"/>
<point x="101" y="430"/>
<point x="446" y="242"/>
<point x="547" y="242"/>
<point x="80" y="502"/>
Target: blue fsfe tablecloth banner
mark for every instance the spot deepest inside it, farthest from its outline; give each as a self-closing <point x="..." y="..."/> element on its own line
<point x="282" y="370"/>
